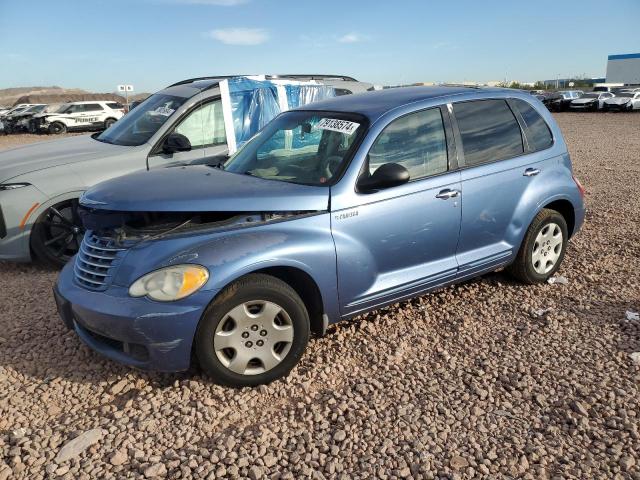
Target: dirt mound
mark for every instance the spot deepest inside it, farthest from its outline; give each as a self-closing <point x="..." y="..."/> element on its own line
<point x="68" y="97"/>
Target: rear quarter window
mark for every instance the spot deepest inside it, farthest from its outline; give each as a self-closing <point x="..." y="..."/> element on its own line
<point x="489" y="131"/>
<point x="538" y="132"/>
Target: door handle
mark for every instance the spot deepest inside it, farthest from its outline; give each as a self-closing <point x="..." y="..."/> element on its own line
<point x="447" y="193"/>
<point x="531" y="172"/>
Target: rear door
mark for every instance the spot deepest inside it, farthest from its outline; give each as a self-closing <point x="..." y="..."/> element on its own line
<point x="400" y="240"/>
<point x="498" y="163"/>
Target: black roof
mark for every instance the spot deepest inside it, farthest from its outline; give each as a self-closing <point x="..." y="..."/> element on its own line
<point x="377" y="103"/>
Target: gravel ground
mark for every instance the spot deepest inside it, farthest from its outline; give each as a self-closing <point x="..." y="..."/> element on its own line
<point x="489" y="379"/>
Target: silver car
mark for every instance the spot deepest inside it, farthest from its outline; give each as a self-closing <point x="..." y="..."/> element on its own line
<point x="40" y="184"/>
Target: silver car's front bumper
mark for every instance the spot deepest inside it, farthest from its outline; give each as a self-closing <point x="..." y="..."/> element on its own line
<point x="19" y="211"/>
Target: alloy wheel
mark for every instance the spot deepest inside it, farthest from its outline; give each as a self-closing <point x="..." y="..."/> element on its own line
<point x="62" y="230"/>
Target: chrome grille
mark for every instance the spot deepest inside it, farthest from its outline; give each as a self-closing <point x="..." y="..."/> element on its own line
<point x="96" y="261"/>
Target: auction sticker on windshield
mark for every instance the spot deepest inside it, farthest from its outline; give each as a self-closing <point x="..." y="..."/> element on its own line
<point x="335" y="125"/>
<point x="164" y="111"/>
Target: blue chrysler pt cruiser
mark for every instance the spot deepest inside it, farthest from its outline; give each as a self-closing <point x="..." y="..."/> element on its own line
<point x="332" y="210"/>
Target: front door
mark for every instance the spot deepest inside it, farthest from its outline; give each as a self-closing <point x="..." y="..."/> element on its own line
<point x="401" y="240"/>
<point x="204" y="127"/>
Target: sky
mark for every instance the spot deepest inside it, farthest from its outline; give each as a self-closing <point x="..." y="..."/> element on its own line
<point x="98" y="44"/>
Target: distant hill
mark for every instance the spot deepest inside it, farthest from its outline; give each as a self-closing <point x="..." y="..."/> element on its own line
<point x="9" y="96"/>
<point x="55" y="94"/>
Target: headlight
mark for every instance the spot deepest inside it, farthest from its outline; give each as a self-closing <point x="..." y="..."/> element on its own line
<point x="13" y="186"/>
<point x="170" y="283"/>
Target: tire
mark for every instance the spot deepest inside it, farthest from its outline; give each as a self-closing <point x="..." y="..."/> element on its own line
<point x="57" y="234"/>
<point x="108" y="122"/>
<point x="278" y="313"/>
<point x="541" y="252"/>
<point x="57" y="128"/>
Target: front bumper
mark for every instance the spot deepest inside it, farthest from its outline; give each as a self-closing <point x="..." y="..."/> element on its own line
<point x="15" y="206"/>
<point x="134" y="331"/>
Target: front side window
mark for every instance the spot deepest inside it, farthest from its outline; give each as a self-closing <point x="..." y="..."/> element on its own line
<point x="489" y="131"/>
<point x="305" y="147"/>
<point x="538" y="132"/>
<point x="139" y="125"/>
<point x="204" y="126"/>
<point x="416" y="141"/>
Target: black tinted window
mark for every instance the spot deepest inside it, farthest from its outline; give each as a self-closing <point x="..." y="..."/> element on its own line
<point x="489" y="131"/>
<point x="415" y="141"/>
<point x="538" y="135"/>
<point x="114" y="105"/>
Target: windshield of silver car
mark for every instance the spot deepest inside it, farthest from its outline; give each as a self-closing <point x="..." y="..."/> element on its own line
<point x="305" y="147"/>
<point x="142" y="122"/>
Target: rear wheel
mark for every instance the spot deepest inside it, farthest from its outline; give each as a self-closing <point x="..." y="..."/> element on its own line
<point x="543" y="248"/>
<point x="57" y="128"/>
<point x="253" y="333"/>
<point x="57" y="234"/>
<point x="108" y="122"/>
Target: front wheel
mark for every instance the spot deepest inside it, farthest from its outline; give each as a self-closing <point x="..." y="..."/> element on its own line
<point x="543" y="248"/>
<point x="57" y="128"/>
<point x="57" y="234"/>
<point x="254" y="332"/>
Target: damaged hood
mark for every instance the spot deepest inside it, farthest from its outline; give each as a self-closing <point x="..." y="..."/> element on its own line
<point x="582" y="101"/>
<point x="202" y="189"/>
<point x="39" y="156"/>
<point x="617" y="100"/>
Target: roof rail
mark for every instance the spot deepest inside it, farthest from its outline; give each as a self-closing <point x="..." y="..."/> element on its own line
<point x="460" y="85"/>
<point x="312" y="76"/>
<point x="195" y="79"/>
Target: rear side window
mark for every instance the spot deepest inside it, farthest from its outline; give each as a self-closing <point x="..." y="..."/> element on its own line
<point x="416" y="141"/>
<point x="114" y="105"/>
<point x="489" y="131"/>
<point x="538" y="134"/>
<point x="92" y="107"/>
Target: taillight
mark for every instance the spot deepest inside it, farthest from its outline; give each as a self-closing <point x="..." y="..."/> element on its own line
<point x="579" y="185"/>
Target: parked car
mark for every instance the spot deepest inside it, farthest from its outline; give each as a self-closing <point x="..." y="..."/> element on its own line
<point x="592" y="101"/>
<point x="19" y="121"/>
<point x="82" y="116"/>
<point x="623" y="101"/>
<point x="11" y="118"/>
<point x="548" y="98"/>
<point x="563" y="101"/>
<point x="40" y="183"/>
<point x="34" y="120"/>
<point x="239" y="264"/>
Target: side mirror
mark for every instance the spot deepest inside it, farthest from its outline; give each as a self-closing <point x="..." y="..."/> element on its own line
<point x="176" y="142"/>
<point x="386" y="176"/>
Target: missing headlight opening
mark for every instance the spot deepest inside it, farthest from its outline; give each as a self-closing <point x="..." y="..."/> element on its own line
<point x="133" y="226"/>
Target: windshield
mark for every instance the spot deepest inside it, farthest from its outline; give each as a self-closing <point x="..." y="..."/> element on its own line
<point x="140" y="124"/>
<point x="624" y="94"/>
<point x="591" y="95"/>
<point x="310" y="148"/>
